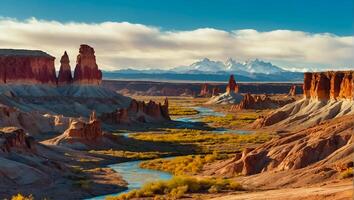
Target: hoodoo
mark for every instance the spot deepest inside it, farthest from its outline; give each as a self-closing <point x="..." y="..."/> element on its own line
<point x="64" y="76"/>
<point x="86" y="70"/>
<point x="231" y="96"/>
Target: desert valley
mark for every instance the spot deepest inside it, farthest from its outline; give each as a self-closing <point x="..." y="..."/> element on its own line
<point x="75" y="135"/>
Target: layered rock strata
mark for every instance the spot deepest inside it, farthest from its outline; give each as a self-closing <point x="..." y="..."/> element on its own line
<point x="26" y="67"/>
<point x="307" y="156"/>
<point x="327" y="95"/>
<point x="86" y="70"/>
<point x="37" y="67"/>
<point x="138" y="111"/>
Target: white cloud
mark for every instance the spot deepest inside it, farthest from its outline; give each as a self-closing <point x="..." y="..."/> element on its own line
<point x="122" y="44"/>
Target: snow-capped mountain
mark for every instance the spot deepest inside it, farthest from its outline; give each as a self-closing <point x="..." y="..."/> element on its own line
<point x="259" y="66"/>
<point x="249" y="67"/>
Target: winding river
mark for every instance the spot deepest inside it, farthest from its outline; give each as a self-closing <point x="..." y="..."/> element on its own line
<point x="136" y="177"/>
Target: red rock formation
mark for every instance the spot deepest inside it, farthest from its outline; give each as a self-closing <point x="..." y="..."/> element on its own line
<point x="215" y="91"/>
<point x="324" y="145"/>
<point x="329" y="85"/>
<point x="292" y="91"/>
<point x="15" y="138"/>
<point x="260" y="102"/>
<point x="204" y="91"/>
<point x="86" y="70"/>
<point x="138" y="111"/>
<point x="26" y="67"/>
<point x="90" y="130"/>
<point x="64" y="76"/>
<point x="232" y="86"/>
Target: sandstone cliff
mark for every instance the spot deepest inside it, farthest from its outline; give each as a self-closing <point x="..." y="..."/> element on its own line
<point x="37" y="67"/>
<point x="329" y="85"/>
<point x="26" y="67"/>
<point x="86" y="70"/>
<point x="327" y="95"/>
<point x="138" y="111"/>
<point x="204" y="91"/>
<point x="261" y="102"/>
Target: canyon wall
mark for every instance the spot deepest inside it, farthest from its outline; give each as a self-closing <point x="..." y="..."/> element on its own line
<point x="37" y="67"/>
<point x="329" y="85"/>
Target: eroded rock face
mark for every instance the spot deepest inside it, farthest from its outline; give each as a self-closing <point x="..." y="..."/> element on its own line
<point x="65" y="77"/>
<point x="26" y="67"/>
<point x="324" y="145"/>
<point x="329" y="85"/>
<point x="90" y="130"/>
<point x="15" y="138"/>
<point x="138" y="111"/>
<point x="232" y="87"/>
<point x="86" y="70"/>
<point x="327" y="95"/>
<point x="260" y="102"/>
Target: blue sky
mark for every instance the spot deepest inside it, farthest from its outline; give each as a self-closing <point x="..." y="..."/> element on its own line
<point x="334" y="16"/>
<point x="294" y="34"/>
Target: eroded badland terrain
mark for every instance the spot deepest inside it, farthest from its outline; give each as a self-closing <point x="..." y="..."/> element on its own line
<point x="77" y="137"/>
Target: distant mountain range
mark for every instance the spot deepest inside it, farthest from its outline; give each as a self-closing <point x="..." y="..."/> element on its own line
<point x="209" y="70"/>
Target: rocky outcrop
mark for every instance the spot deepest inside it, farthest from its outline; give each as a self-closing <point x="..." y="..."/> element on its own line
<point x="26" y="67"/>
<point x="329" y="85"/>
<point x="292" y="91"/>
<point x="204" y="91"/>
<point x="65" y="77"/>
<point x="232" y="87"/>
<point x="215" y="91"/>
<point x="231" y="96"/>
<point x="260" y="102"/>
<point x="138" y="111"/>
<point x="327" y="95"/>
<point x="15" y="138"/>
<point x="34" y="123"/>
<point x="90" y="130"/>
<point x="315" y="152"/>
<point x="37" y="67"/>
<point x="86" y="70"/>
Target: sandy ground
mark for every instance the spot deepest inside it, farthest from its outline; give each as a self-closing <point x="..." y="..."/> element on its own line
<point x="340" y="191"/>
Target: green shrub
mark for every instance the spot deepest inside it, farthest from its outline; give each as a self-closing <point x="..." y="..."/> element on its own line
<point x="177" y="187"/>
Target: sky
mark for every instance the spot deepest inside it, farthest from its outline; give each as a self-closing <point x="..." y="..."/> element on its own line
<point x="294" y="34"/>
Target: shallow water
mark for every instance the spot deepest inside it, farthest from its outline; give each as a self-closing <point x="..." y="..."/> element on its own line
<point x="135" y="176"/>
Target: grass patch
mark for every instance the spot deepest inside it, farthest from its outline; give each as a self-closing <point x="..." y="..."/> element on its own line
<point x="183" y="165"/>
<point x="177" y="111"/>
<point x="205" y="142"/>
<point x="22" y="197"/>
<point x="232" y="120"/>
<point x="348" y="173"/>
<point x="129" y="154"/>
<point x="179" y="186"/>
